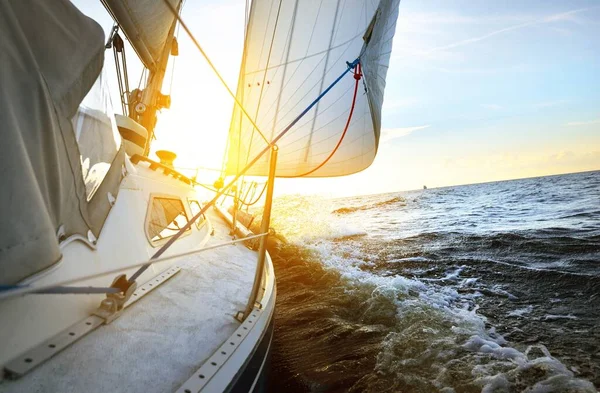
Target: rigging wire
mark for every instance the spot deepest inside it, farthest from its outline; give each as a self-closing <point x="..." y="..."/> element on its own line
<point x="357" y="77"/>
<point x="309" y="91"/>
<point x="250" y="187"/>
<point x="175" y="57"/>
<point x="254" y="202"/>
<point x="262" y="88"/>
<point x="142" y="75"/>
<point x="118" y="46"/>
<point x="10" y="291"/>
<point x="271" y="145"/>
<point x="212" y="66"/>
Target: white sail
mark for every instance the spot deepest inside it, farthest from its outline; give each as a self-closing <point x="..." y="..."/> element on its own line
<point x="146" y="23"/>
<point x="294" y="50"/>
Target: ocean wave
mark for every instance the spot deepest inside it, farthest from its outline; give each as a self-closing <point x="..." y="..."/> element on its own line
<point x="394" y="333"/>
<point x="398" y="200"/>
<point x="474" y="288"/>
<point x="521" y="311"/>
<point x="540" y="249"/>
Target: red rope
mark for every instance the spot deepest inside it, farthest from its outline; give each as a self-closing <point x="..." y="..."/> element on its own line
<point x="357" y="76"/>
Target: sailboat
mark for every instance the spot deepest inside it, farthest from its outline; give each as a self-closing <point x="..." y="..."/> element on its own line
<point x="116" y="274"/>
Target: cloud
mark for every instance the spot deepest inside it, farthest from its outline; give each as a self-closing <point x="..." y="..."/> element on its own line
<point x="563" y="16"/>
<point x="494" y="107"/>
<point x="562" y="156"/>
<point x="388" y="134"/>
<point x="582" y="123"/>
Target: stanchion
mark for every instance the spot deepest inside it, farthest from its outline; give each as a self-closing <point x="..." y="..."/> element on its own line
<point x="264" y="228"/>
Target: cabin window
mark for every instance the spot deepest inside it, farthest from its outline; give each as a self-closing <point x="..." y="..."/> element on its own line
<point x="195" y="208"/>
<point x="97" y="135"/>
<point x="165" y="218"/>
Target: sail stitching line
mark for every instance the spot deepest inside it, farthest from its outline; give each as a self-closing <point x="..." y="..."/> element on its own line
<point x="262" y="86"/>
<point x="322" y="82"/>
<point x="347" y="43"/>
<point x="291" y="143"/>
<point x="311" y="89"/>
<point x="357" y="77"/>
<point x="298" y="67"/>
<point x="355" y="120"/>
<point x="301" y="59"/>
<point x="212" y="66"/>
<point x="9" y="292"/>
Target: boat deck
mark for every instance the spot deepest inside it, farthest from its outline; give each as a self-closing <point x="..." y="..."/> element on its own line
<point x="158" y="342"/>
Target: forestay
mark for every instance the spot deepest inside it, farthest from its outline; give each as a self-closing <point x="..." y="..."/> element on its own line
<point x="146" y="23"/>
<point x="294" y="50"/>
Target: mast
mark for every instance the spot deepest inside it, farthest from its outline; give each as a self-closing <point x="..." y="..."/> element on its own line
<point x="152" y="98"/>
<point x="150" y="28"/>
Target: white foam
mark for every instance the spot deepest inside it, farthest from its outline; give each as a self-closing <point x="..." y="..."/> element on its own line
<point x="411" y="259"/>
<point x="521" y="311"/>
<point x="480" y="344"/>
<point x="493" y="384"/>
<point x="551" y="317"/>
<point x="411" y="294"/>
<point x="455" y="323"/>
<point x="450" y="276"/>
<point x="312" y="225"/>
<point x="469" y="282"/>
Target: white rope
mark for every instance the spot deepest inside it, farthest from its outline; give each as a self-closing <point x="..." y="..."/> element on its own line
<point x="23" y="290"/>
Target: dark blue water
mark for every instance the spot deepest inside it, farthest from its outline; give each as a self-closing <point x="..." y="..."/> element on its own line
<point x="490" y="287"/>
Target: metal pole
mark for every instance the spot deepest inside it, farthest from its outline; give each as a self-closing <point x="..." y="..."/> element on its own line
<point x="264" y="228"/>
<point x="234" y="211"/>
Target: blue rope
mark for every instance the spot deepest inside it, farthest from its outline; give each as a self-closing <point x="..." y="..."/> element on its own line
<point x="174" y="238"/>
<point x="81" y="290"/>
<point x="350" y="67"/>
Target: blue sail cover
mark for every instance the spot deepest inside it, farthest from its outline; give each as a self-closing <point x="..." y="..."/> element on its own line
<point x="294" y="50"/>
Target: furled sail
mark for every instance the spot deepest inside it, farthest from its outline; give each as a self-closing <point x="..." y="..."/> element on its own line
<point x="294" y="50"/>
<point x="146" y="23"/>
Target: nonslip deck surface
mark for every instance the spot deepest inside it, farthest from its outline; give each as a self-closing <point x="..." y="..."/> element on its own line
<point x="163" y="338"/>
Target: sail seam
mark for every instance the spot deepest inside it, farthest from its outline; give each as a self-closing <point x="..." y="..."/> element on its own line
<point x="357" y="76"/>
<point x="262" y="86"/>
<point x="331" y="37"/>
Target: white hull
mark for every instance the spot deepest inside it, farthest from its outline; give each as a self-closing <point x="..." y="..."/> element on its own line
<point x="167" y="337"/>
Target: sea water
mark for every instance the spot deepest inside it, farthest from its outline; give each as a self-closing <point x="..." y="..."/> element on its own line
<point x="489" y="287"/>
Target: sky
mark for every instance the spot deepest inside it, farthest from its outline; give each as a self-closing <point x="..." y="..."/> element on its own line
<point x="476" y="91"/>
